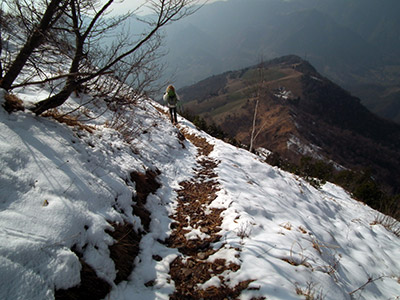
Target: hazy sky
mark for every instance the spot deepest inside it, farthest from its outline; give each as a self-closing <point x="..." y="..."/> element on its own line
<point x="134" y="4"/>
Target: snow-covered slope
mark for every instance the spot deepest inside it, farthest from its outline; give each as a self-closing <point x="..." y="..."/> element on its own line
<point x="61" y="188"/>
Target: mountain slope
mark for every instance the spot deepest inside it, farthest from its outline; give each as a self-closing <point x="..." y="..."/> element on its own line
<point x="300" y="112"/>
<point x="67" y="189"/>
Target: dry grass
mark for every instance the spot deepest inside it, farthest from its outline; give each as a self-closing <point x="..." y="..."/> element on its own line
<point x="124" y="250"/>
<point x="369" y="281"/>
<point x="309" y="292"/>
<point x="146" y="183"/>
<point x="67" y="119"/>
<point x="244" y="230"/>
<point x="297" y="261"/>
<point x="303" y="230"/>
<point x="316" y="246"/>
<point x="287" y="226"/>
<point x="12" y="103"/>
<point x="391" y="224"/>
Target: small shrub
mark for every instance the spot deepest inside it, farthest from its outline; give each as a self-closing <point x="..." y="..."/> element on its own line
<point x="128" y="129"/>
<point x="309" y="292"/>
<point x="297" y="261"/>
<point x="369" y="192"/>
<point x="244" y="230"/>
<point x="287" y="226"/>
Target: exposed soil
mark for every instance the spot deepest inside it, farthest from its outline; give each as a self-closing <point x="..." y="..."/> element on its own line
<point x="91" y="286"/>
<point x="192" y="268"/>
<point x="146" y="184"/>
<point x="124" y="250"/>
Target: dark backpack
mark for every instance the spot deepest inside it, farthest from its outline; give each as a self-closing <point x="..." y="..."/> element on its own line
<point x="172" y="99"/>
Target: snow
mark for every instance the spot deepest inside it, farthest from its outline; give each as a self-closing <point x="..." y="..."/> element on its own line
<point x="295" y="144"/>
<point x="287" y="217"/>
<point x="61" y="187"/>
<point x="284" y="94"/>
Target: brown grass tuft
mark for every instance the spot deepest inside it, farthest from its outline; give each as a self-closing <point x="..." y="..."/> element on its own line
<point x="303" y="230"/>
<point x="67" y="119"/>
<point x="12" y="103"/>
<point x="287" y="226"/>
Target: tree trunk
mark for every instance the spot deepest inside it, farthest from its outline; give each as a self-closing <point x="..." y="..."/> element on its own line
<point x="252" y="137"/>
<point x="1" y="40"/>
<point x="35" y="39"/>
<point x="71" y="84"/>
<point x="56" y="100"/>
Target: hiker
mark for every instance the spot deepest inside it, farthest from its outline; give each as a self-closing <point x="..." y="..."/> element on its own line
<point x="172" y="98"/>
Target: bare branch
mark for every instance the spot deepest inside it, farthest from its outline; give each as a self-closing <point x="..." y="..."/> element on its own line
<point x="370" y="280"/>
<point x="137" y="55"/>
<point x="53" y="79"/>
<point x="36" y="38"/>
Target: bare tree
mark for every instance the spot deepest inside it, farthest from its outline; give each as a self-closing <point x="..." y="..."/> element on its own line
<point x="2" y="25"/>
<point x="253" y="128"/>
<point x="53" y="12"/>
<point x="125" y="52"/>
<point x="260" y="86"/>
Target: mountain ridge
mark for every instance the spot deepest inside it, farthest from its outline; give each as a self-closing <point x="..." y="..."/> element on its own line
<point x="333" y="35"/>
<point x="106" y="200"/>
<point x="179" y="213"/>
<point x="300" y="107"/>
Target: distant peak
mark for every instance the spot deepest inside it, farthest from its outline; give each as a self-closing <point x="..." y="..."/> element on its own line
<point x="296" y="61"/>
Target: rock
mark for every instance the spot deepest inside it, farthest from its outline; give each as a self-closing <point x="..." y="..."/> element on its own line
<point x="186" y="272"/>
<point x="150" y="283"/>
<point x="202" y="255"/>
<point x="157" y="257"/>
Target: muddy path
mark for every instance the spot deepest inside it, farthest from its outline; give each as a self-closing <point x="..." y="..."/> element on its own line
<point x="195" y="232"/>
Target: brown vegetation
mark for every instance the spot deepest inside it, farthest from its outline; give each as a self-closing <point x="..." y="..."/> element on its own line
<point x="70" y="120"/>
<point x="124" y="250"/>
<point x="12" y="103"/>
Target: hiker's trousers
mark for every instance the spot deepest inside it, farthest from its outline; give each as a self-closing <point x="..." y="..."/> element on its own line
<point x="172" y="112"/>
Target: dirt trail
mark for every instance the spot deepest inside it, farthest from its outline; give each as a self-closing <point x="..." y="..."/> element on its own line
<point x="192" y="268"/>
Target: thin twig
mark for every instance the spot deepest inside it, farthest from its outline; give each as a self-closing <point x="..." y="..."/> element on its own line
<point x="370" y="280"/>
